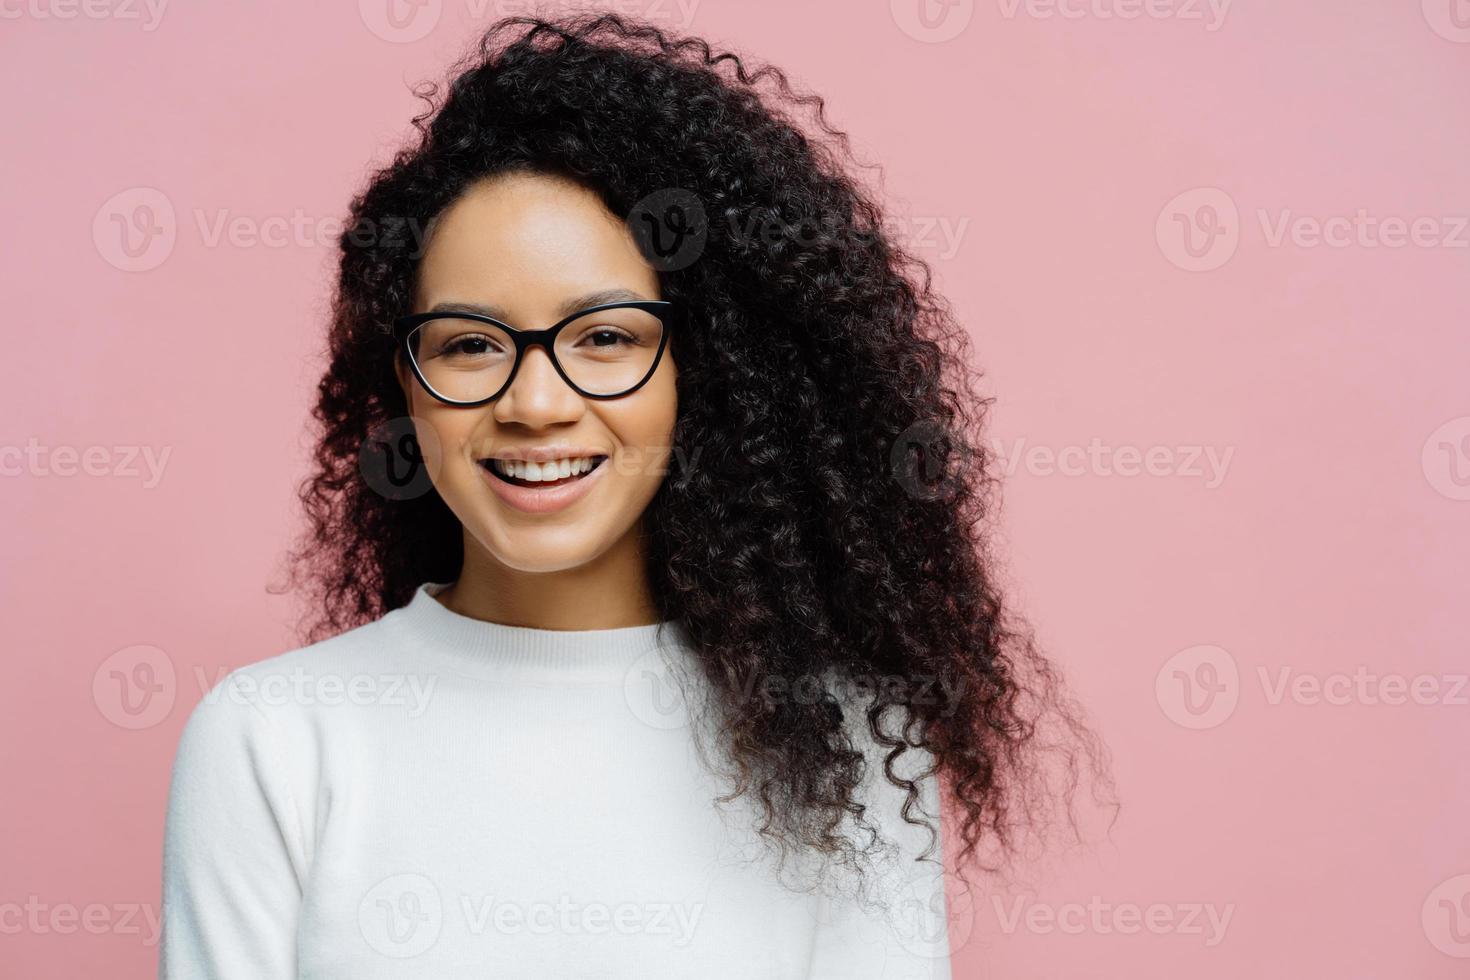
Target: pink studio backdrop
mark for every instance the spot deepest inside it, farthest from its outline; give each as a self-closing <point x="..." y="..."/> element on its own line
<point x="1216" y="263"/>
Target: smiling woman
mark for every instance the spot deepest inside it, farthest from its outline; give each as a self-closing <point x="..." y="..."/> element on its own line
<point x="696" y="585"/>
<point x="533" y="249"/>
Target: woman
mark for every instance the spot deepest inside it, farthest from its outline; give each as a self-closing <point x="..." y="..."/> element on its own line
<point x="654" y="615"/>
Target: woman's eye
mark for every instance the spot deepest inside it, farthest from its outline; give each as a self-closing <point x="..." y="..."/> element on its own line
<point x="608" y="338"/>
<point x="468" y="345"/>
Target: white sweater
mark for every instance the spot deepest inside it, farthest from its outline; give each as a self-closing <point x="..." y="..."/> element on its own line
<point x="434" y="796"/>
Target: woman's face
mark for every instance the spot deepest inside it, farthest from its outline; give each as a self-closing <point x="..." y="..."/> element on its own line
<point x="530" y="246"/>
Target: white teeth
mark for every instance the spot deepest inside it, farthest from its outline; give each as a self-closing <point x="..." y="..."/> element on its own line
<point x="556" y="469"/>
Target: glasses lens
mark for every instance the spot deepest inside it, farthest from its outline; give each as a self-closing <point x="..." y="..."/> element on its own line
<point x="463" y="360"/>
<point x="609" y="351"/>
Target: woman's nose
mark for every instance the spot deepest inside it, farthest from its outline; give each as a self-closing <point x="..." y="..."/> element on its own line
<point x="538" y="394"/>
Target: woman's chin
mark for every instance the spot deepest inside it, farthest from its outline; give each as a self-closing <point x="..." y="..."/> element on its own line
<point x="534" y="550"/>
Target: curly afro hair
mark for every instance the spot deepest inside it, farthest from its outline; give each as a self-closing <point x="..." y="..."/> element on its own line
<point x="837" y="520"/>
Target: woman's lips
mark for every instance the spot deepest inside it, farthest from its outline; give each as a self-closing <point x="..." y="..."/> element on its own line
<point x="544" y="499"/>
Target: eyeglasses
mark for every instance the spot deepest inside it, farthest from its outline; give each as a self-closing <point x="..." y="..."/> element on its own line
<point x="602" y="352"/>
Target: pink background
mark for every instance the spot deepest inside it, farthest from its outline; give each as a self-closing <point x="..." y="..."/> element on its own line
<point x="1064" y="156"/>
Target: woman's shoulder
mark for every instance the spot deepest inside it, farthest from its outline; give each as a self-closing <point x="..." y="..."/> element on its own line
<point x="347" y="653"/>
<point x="278" y="690"/>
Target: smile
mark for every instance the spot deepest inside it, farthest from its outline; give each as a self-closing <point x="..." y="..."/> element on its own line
<point x="541" y="488"/>
<point x="548" y="474"/>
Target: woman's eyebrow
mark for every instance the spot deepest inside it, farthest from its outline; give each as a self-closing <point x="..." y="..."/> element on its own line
<point x="617" y="295"/>
<point x="483" y="309"/>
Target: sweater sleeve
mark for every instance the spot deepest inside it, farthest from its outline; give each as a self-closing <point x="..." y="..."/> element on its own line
<point x="898" y="930"/>
<point x="232" y="857"/>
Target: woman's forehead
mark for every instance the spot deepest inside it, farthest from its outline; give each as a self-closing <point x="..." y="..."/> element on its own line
<point x="540" y="238"/>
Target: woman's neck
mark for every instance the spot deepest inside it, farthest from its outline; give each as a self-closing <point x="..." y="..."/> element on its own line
<point x="609" y="592"/>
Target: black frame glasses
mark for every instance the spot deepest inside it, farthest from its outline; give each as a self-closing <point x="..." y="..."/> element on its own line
<point x="668" y="312"/>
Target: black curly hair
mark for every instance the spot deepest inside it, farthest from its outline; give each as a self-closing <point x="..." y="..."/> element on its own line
<point x="836" y="519"/>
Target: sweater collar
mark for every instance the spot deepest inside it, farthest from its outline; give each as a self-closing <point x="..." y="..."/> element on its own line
<point x="494" y="650"/>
